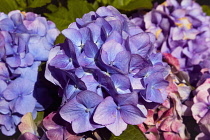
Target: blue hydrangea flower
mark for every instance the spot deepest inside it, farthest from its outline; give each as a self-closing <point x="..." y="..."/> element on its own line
<point x="26" y="39"/>
<point x="79" y="111"/>
<point x="116" y="113"/>
<point x="180" y="27"/>
<point x="106" y="56"/>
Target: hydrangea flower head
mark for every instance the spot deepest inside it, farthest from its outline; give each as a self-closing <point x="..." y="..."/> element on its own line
<point x="179" y="27"/>
<point x="166" y="121"/>
<point x="109" y="58"/>
<point x="26" y="39"/>
<point x="200" y="108"/>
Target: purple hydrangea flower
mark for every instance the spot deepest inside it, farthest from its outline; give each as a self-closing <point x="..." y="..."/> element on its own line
<point x="166" y="121"/>
<point x="180" y="27"/>
<point x="79" y="111"/>
<point x="200" y="108"/>
<point x="26" y="39"/>
<point x="115" y="115"/>
<point x="109" y="57"/>
<point x="57" y="128"/>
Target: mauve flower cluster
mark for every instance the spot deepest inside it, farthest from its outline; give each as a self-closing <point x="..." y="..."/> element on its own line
<point x="166" y="121"/>
<point x="108" y="71"/>
<point x="25" y="41"/>
<point x="180" y="27"/>
<point x="201" y="106"/>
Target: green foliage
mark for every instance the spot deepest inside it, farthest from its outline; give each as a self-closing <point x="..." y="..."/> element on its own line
<point x="206" y="9"/>
<point x="60" y="39"/>
<point x="39" y="118"/>
<point x="8" y="5"/>
<point x="63" y="16"/>
<point x="37" y="3"/>
<point x="131" y="133"/>
<point x="128" y="5"/>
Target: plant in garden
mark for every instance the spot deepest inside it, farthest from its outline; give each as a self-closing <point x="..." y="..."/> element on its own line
<point x="108" y="72"/>
<point x="200" y="108"/>
<point x="26" y="39"/>
<point x="166" y="121"/>
<point x="180" y="27"/>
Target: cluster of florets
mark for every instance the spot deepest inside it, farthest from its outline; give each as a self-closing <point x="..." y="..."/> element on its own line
<point x="108" y="71"/>
<point x="182" y="29"/>
<point x="201" y="106"/>
<point x="25" y="41"/>
<point x="166" y="121"/>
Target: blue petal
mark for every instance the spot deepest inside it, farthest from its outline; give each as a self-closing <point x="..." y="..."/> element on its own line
<point x="132" y="114"/>
<point x="7" y="121"/>
<point x="9" y="132"/>
<point x="118" y="126"/>
<point x="106" y="112"/>
<point x="4" y="106"/>
<point x="13" y="61"/>
<point x="82" y="124"/>
<point x="72" y="110"/>
<point x="90" y="83"/>
<point x="110" y="50"/>
<point x="52" y="35"/>
<point x="85" y="32"/>
<point x="74" y="35"/>
<point x="62" y="61"/>
<point x="122" y="60"/>
<point x="6" y="25"/>
<point x="138" y="62"/>
<point x="104" y="24"/>
<point x="29" y="73"/>
<point x="37" y="27"/>
<point x="115" y="36"/>
<point x="36" y="46"/>
<point x="95" y="32"/>
<point x="24" y="104"/>
<point x="89" y="99"/>
<point x="3" y="86"/>
<point x="129" y="98"/>
<point x="90" y="49"/>
<point x="138" y="43"/>
<point x="121" y="82"/>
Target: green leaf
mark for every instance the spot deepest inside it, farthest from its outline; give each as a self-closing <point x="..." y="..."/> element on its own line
<point x="8" y="5"/>
<point x="63" y="16"/>
<point x="128" y="5"/>
<point x="39" y="118"/>
<point x="206" y="9"/>
<point x="60" y="39"/>
<point x="131" y="133"/>
<point x="37" y="3"/>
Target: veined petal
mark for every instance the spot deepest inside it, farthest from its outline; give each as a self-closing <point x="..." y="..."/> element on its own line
<point x="72" y="110"/>
<point x="132" y="114"/>
<point x="118" y="126"/>
<point x="106" y="112"/>
<point x="88" y="98"/>
<point x="74" y="35"/>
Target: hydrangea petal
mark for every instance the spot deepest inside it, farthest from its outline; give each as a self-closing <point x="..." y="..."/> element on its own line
<point x="132" y="115"/>
<point x="118" y="126"/>
<point x="106" y="112"/>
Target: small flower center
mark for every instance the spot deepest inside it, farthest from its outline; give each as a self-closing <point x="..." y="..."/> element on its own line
<point x="81" y="46"/>
<point x="111" y="63"/>
<point x="7" y="80"/>
<point x="87" y="110"/>
<point x="118" y="107"/>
